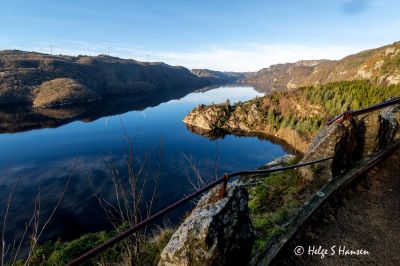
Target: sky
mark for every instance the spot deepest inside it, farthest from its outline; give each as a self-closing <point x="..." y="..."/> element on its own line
<point x="234" y="35"/>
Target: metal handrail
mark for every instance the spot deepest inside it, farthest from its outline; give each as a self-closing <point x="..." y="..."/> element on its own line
<point x="351" y="113"/>
<point x="224" y="179"/>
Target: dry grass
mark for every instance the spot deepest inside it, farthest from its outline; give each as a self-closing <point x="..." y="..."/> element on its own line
<point x="63" y="91"/>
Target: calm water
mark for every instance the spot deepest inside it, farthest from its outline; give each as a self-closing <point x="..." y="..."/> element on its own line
<point x="43" y="157"/>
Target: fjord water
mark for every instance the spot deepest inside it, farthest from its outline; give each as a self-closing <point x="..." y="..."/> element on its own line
<point x="44" y="157"/>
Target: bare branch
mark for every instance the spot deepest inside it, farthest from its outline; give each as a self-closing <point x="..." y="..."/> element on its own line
<point x="3" y="241"/>
<point x="60" y="198"/>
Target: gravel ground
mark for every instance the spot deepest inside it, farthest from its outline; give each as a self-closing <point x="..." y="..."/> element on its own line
<point x="364" y="217"/>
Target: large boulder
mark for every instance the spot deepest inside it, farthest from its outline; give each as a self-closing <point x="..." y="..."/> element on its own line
<point x="337" y="141"/>
<point x="217" y="232"/>
<point x="392" y="115"/>
<point x="350" y="141"/>
<point x="377" y="129"/>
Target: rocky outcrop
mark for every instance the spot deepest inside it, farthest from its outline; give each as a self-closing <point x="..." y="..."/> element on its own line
<point x="377" y="65"/>
<point x="208" y="117"/>
<point x="217" y="232"/>
<point x="253" y="118"/>
<point x="24" y="73"/>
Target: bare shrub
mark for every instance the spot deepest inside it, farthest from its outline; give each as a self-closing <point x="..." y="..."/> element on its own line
<point x="34" y="227"/>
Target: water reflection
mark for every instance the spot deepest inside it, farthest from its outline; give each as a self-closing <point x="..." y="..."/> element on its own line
<point x="44" y="157"/>
<point x="22" y="118"/>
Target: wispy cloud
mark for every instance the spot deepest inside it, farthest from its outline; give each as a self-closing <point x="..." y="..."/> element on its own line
<point x="254" y="57"/>
<point x="249" y="57"/>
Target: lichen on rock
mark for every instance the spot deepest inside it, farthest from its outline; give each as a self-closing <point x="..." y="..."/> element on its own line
<point x="217" y="232"/>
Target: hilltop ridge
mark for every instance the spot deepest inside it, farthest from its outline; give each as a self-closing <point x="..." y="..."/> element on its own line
<point x="380" y="65"/>
<point x="44" y="80"/>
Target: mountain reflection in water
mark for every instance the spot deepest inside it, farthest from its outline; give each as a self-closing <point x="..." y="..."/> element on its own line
<point x="43" y="157"/>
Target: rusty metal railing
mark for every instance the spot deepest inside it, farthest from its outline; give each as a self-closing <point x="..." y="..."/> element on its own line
<point x="223" y="180"/>
<point x="349" y="114"/>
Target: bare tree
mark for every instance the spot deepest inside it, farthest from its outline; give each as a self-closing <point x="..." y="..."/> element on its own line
<point x="194" y="176"/>
<point x="134" y="194"/>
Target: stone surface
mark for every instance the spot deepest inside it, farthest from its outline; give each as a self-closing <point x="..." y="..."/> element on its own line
<point x="330" y="141"/>
<point x="351" y="140"/>
<point x="279" y="161"/>
<point x="217" y="232"/>
<point x="377" y="129"/>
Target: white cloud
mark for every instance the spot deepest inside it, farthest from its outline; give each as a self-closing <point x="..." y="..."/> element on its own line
<point x="254" y="57"/>
<point x="250" y="57"/>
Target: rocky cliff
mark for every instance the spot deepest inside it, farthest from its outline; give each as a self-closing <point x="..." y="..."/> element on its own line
<point x="46" y="80"/>
<point x="262" y="116"/>
<point x="380" y="65"/>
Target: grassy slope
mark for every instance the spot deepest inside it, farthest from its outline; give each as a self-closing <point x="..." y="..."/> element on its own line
<point x="274" y="200"/>
<point x="123" y="253"/>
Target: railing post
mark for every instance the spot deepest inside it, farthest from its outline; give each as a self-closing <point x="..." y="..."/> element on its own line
<point x="224" y="185"/>
<point x="347" y="115"/>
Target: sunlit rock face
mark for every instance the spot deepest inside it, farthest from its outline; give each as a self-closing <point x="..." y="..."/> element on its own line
<point x="240" y="119"/>
<point x="217" y="232"/>
<point x="377" y="65"/>
<point x="351" y="141"/>
<point x="208" y="117"/>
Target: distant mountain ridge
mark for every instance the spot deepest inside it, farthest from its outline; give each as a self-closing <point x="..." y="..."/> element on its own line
<point x="380" y="65"/>
<point x="221" y="76"/>
<point x="44" y="80"/>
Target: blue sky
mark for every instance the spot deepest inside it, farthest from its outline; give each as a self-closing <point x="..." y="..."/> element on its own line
<point x="224" y="35"/>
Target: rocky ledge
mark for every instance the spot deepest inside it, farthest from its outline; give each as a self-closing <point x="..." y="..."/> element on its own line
<point x="255" y="117"/>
